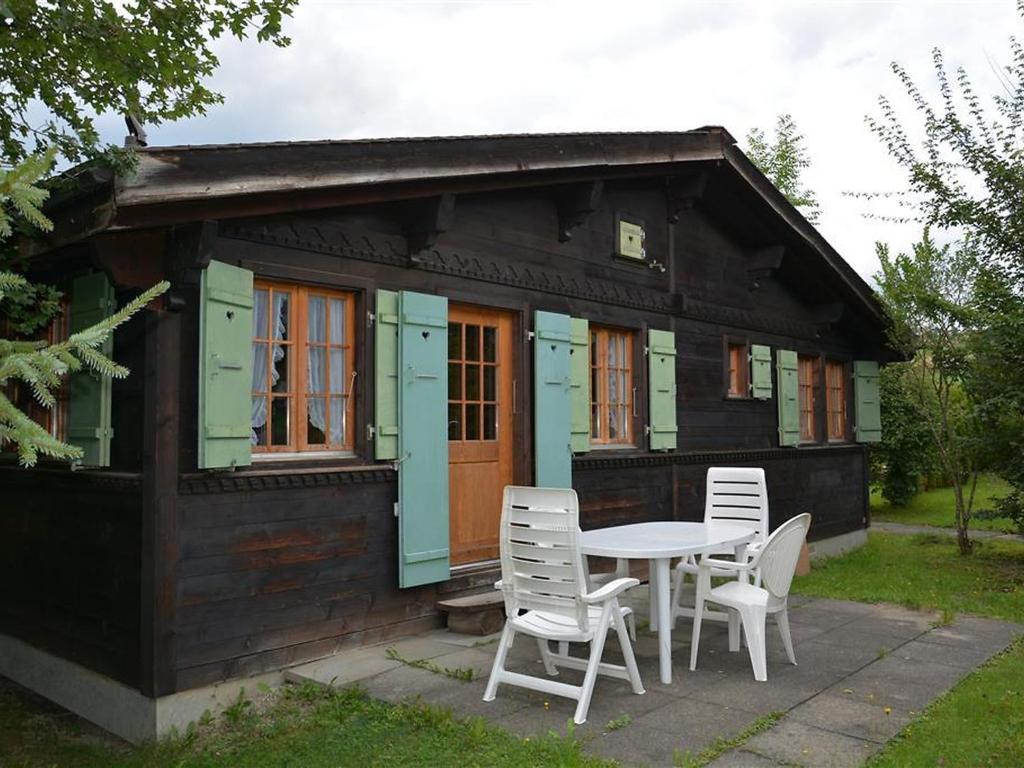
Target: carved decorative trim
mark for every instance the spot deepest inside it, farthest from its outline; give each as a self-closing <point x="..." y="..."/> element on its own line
<point x="283" y="480"/>
<point x="391" y="250"/>
<point x="598" y="462"/>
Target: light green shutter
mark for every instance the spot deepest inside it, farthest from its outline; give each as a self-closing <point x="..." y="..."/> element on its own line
<point x="579" y="386"/>
<point x="385" y="357"/>
<point x="88" y="421"/>
<point x="789" y="394"/>
<point x="552" y="431"/>
<point x="760" y="372"/>
<point x="225" y="366"/>
<point x="423" y="544"/>
<point x="661" y="364"/>
<point x="868" y="416"/>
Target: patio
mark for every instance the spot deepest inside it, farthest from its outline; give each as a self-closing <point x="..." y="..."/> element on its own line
<point x="864" y="672"/>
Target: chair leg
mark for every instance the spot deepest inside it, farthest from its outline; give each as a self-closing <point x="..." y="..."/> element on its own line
<point x="753" y="617"/>
<point x="734" y="630"/>
<point x="627" y="650"/>
<point x="507" y="636"/>
<point x="590" y="678"/>
<point x="698" y="615"/>
<point x="545" y="656"/>
<point x="631" y="624"/>
<point x="678" y="579"/>
<point x="782" y="619"/>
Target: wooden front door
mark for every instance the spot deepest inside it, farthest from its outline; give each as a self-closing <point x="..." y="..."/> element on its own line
<point x="479" y="428"/>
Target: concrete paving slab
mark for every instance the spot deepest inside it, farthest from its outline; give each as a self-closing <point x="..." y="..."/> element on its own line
<point x="796" y="743"/>
<point x="966" y="656"/>
<point x="846" y="714"/>
<point x="740" y="758"/>
<point x="343" y="668"/>
<point x="638" y="745"/>
<point x="977" y="631"/>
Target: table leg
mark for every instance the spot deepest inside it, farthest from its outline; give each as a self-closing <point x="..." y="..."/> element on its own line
<point x="664" y="620"/>
<point x="652" y="578"/>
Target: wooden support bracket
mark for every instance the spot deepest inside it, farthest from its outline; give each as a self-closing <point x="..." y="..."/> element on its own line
<point x="763" y="263"/>
<point x="575" y="205"/>
<point x="682" y="192"/>
<point x="425" y="220"/>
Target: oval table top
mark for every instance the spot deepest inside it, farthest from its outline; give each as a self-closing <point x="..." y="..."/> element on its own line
<point x="649" y="541"/>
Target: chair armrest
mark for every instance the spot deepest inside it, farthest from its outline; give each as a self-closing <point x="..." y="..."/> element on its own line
<point x="610" y="590"/>
<point x="731" y="565"/>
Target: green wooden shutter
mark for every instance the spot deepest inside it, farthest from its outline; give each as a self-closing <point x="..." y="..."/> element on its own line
<point x="385" y="358"/>
<point x="661" y="381"/>
<point x="579" y="383"/>
<point x="552" y="426"/>
<point x="760" y="372"/>
<point x="867" y="416"/>
<point x="88" y="420"/>
<point x="225" y="366"/>
<point x="423" y="543"/>
<point x="789" y="397"/>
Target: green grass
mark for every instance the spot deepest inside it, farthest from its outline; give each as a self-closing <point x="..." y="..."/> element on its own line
<point x="979" y="723"/>
<point x="298" y="727"/>
<point x="720" y="746"/>
<point x="935" y="507"/>
<point x="925" y="572"/>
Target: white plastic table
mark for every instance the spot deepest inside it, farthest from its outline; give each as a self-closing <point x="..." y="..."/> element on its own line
<point x="659" y="543"/>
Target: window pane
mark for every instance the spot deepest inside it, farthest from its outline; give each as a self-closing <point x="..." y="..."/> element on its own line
<point x="612" y="349"/>
<point x="260" y="321"/>
<point x="260" y="356"/>
<point x="472" y="342"/>
<point x="454" y="381"/>
<point x="595" y="421"/>
<point x="316" y="376"/>
<point x="279" y="428"/>
<point x="279" y="375"/>
<point x="317" y="319"/>
<point x="490" y="344"/>
<point x="490" y="422"/>
<point x="613" y="423"/>
<point x="455" y="341"/>
<point x="316" y="421"/>
<point x="337" y="317"/>
<point x="472" y="382"/>
<point x="281" y="318"/>
<point x="472" y="421"/>
<point x="490" y="392"/>
<point x="339" y="376"/>
<point x="259" y="421"/>
<point x="339" y="419"/>
<point x="613" y="389"/>
<point x="455" y="422"/>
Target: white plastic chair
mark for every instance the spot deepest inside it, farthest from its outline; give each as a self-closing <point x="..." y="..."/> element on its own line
<point x="735" y="495"/>
<point x="774" y="564"/>
<point x="546" y="597"/>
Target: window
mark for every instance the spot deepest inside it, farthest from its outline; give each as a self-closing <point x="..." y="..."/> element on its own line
<point x="807" y="374"/>
<point x="303" y="369"/>
<point x="53" y="420"/>
<point x="472" y="381"/>
<point x="611" y="386"/>
<point x="738" y="370"/>
<point x="835" y="399"/>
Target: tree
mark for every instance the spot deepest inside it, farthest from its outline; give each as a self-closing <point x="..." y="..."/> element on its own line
<point x="928" y="296"/>
<point x="783" y="161"/>
<point x="906" y="451"/>
<point x="146" y="59"/>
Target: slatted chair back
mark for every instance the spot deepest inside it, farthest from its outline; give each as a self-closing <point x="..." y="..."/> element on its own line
<point x="541" y="564"/>
<point x="737" y="495"/>
<point x="778" y="558"/>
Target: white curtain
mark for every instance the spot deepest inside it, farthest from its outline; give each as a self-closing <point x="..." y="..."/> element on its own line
<point x="259" y="354"/>
<point x="327" y="368"/>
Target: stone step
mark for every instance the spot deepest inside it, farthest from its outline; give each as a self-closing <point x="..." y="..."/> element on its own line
<point x="480" y="614"/>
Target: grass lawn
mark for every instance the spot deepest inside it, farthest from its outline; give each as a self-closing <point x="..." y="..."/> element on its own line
<point x="926" y="571"/>
<point x="935" y="507"/>
<point x="981" y="721"/>
<point x="298" y="727"/>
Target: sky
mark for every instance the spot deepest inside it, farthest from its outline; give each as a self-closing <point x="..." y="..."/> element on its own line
<point x="403" y="68"/>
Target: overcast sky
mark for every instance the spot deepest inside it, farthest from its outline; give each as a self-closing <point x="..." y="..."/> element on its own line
<point x="390" y="68"/>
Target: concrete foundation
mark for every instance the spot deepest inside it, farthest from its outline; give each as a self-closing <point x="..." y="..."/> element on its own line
<point x="837" y="545"/>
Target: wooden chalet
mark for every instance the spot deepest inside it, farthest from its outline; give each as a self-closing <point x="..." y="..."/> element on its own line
<point x="363" y="343"/>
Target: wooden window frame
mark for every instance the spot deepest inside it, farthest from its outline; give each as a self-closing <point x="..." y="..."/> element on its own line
<point x="599" y="398"/>
<point x="843" y="367"/>
<point x="812" y="389"/>
<point x="298" y="371"/>
<point x="728" y="344"/>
